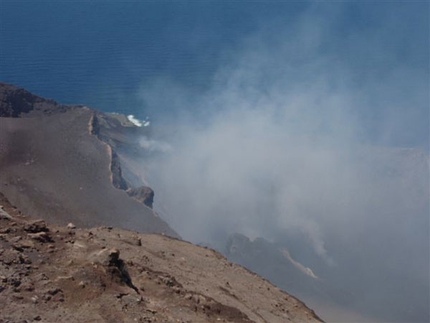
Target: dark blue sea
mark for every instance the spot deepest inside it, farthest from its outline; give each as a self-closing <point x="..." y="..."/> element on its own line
<point x="99" y="53"/>
<point x="103" y="53"/>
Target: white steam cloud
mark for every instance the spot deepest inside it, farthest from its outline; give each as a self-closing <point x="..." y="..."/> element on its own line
<point x="290" y="145"/>
<point x="154" y="145"/>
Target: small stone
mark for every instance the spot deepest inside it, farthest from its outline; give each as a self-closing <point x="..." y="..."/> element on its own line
<point x="199" y="299"/>
<point x="27" y="244"/>
<point x="53" y="291"/>
<point x="151" y="311"/>
<point x="41" y="236"/>
<point x="46" y="297"/>
<point x="130" y="299"/>
<point x="28" y="287"/>
<point x="15" y="282"/>
<point x="17" y="247"/>
<point x="15" y="239"/>
<point x="41" y="277"/>
<point x="71" y="226"/>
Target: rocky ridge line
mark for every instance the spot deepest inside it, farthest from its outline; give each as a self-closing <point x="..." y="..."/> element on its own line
<point x="143" y="194"/>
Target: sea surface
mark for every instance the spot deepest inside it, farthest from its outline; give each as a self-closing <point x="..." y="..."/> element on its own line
<point x="101" y="53"/>
<point x="109" y="54"/>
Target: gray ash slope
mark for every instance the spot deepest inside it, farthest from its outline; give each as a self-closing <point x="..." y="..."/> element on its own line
<point x="61" y="163"/>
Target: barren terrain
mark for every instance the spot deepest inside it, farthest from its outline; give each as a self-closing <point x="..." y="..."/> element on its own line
<point x="66" y="274"/>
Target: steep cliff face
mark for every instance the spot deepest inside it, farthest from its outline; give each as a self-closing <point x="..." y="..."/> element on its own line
<point x="143" y="194"/>
<point x="274" y="263"/>
<point x="55" y="166"/>
<point x="122" y="136"/>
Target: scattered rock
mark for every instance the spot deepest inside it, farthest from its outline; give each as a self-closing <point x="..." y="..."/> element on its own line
<point x="53" y="291"/>
<point x="4" y="214"/>
<point x="26" y="244"/>
<point x="36" y="226"/>
<point x="17" y="297"/>
<point x="41" y="236"/>
<point x="107" y="257"/>
<point x="199" y="299"/>
<point x="15" y="239"/>
<point x="63" y="277"/>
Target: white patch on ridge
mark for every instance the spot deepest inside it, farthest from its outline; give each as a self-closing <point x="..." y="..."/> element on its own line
<point x="298" y="265"/>
<point x="134" y="121"/>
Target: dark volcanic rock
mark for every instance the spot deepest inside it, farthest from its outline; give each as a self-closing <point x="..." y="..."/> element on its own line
<point x="36" y="226"/>
<point x="115" y="167"/>
<point x="143" y="194"/>
<point x="17" y="102"/>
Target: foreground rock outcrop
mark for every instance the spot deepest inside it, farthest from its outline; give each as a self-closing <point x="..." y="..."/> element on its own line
<point x="66" y="274"/>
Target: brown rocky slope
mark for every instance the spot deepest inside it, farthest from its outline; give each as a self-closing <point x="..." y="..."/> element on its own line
<point x="66" y="274"/>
